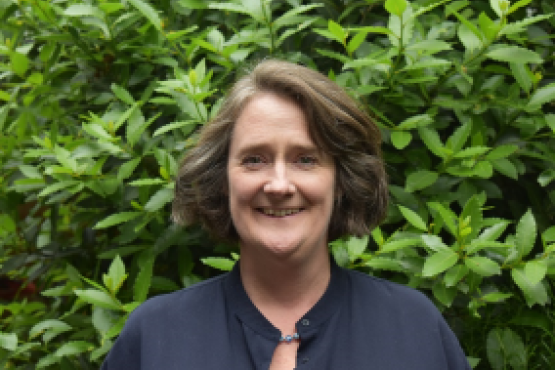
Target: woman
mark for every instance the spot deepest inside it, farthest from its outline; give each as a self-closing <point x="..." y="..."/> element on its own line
<point x="289" y="164"/>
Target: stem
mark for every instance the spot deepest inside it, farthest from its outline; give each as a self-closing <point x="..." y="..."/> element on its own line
<point x="269" y="25"/>
<point x="399" y="54"/>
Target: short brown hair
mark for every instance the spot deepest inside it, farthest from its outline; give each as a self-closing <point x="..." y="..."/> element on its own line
<point x="337" y="126"/>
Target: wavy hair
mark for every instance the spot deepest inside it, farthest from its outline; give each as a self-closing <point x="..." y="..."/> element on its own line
<point x="336" y="124"/>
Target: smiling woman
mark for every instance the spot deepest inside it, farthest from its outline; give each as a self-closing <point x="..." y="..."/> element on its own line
<point x="289" y="164"/>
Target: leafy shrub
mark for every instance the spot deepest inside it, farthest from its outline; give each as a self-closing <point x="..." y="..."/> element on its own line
<point x="101" y="99"/>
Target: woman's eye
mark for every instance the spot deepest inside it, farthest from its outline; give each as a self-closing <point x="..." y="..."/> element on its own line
<point x="307" y="160"/>
<point x="252" y="160"/>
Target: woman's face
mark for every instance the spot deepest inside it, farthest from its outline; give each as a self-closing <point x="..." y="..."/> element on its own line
<point x="281" y="186"/>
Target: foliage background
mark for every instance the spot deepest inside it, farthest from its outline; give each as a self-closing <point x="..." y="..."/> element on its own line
<point x="100" y="99"/>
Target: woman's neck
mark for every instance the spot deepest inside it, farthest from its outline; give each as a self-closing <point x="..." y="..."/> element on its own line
<point x="283" y="290"/>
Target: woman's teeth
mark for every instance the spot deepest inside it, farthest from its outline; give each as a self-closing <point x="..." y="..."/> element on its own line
<point x="280" y="212"/>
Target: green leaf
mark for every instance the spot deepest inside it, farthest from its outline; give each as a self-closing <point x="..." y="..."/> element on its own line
<point x="392" y="246"/>
<point x="546" y="177"/>
<point x="388" y="264"/>
<point x="432" y="141"/>
<point x="47" y="361"/>
<point x="372" y="29"/>
<point x="337" y="31"/>
<point x="144" y="277"/>
<point x="81" y="10"/>
<point x="147" y="182"/>
<point x="505" y="348"/>
<point x="220" y="263"/>
<point x="549" y="235"/>
<point x="420" y="180"/>
<point x="396" y="7"/>
<point x="173" y="126"/>
<point x="5" y="96"/>
<point x="356" y="246"/>
<point x="122" y="94"/>
<point x="454" y="275"/>
<point x="355" y="42"/>
<point x="501" y="151"/>
<point x="427" y="63"/>
<point x="126" y="169"/>
<point x="471" y="152"/>
<point x="541" y="96"/>
<point x="148" y="12"/>
<point x="413" y="218"/>
<point x="290" y="14"/>
<point x="230" y="7"/>
<point x="57" y="187"/>
<point x="446" y="216"/>
<point x="98" y="298"/>
<point x="117" y="219"/>
<point x="433" y="242"/>
<point x="19" y="63"/>
<point x="74" y="348"/>
<point x="469" y="34"/>
<point x="505" y="167"/>
<point x="159" y="199"/>
<point x="439" y="262"/>
<point x="363" y="62"/>
<point x="495" y="297"/>
<point x="535" y="271"/>
<point x="400" y="139"/>
<point x="526" y="232"/>
<point x="415" y="121"/>
<point x="444" y="294"/>
<point x="493" y="232"/>
<point x="48" y="325"/>
<point x="429" y="46"/>
<point x="514" y="54"/>
<point x="116" y="275"/>
<point x="8" y="341"/>
<point x="193" y="4"/>
<point x="460" y="136"/>
<point x="483" y="266"/>
<point x="522" y="75"/>
<point x="517" y="5"/>
<point x="96" y="130"/>
<point x="533" y="293"/>
<point x="488" y="26"/>
<point x="520" y="26"/>
<point x="495" y="5"/>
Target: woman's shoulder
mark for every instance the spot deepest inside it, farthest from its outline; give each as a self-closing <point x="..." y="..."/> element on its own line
<point x="190" y="298"/>
<point x="387" y="293"/>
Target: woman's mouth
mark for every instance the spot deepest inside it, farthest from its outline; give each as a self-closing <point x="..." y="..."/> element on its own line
<point x="279" y="212"/>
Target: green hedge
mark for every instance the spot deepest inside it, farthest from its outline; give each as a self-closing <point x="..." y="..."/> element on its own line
<point x="100" y="100"/>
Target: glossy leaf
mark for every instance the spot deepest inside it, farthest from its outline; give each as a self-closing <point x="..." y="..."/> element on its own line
<point x="413" y="218"/>
<point x="116" y="219"/>
<point x="439" y="262"/>
<point x="535" y="293"/>
<point x="420" y="180"/>
<point x="482" y="266"/>
<point x="541" y="96"/>
<point x="526" y="233"/>
<point x="98" y="298"/>
<point x="219" y="263"/>
<point x="396" y="7"/>
<point x="514" y="54"/>
<point x="8" y="341"/>
<point x="400" y="139"/>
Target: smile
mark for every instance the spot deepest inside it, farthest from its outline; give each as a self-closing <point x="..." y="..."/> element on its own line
<point x="279" y="212"/>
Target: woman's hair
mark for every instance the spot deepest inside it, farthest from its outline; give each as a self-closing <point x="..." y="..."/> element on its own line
<point x="335" y="123"/>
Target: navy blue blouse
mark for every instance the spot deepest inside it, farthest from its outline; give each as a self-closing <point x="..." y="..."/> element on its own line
<point x="361" y="322"/>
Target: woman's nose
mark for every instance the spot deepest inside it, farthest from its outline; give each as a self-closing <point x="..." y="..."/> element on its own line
<point x="279" y="181"/>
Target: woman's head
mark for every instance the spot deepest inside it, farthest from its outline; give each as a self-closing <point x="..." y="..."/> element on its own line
<point x="337" y="126"/>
